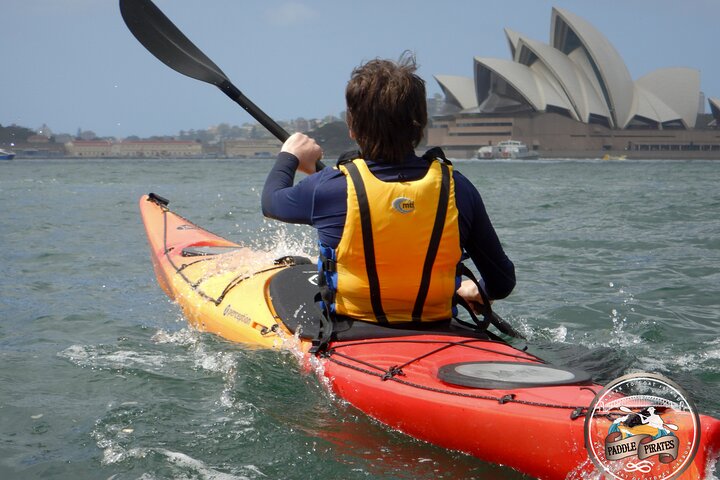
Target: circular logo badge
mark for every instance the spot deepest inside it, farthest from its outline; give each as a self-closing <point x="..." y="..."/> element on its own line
<point x="642" y="425"/>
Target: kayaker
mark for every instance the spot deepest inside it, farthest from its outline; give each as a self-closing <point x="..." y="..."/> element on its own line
<point x="386" y="278"/>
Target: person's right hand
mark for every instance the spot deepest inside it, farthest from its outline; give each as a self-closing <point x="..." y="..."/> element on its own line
<point x="307" y="151"/>
<point x="471" y="294"/>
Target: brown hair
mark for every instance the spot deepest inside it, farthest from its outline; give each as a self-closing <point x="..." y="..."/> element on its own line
<point x="386" y="108"/>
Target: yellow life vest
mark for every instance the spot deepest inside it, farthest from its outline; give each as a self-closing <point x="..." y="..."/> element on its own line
<point x="398" y="256"/>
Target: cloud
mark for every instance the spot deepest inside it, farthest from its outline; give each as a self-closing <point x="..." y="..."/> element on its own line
<point x="290" y="14"/>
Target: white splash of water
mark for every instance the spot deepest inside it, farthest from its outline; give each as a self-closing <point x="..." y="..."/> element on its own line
<point x="97" y="358"/>
<point x="184" y="466"/>
<point x="184" y="337"/>
<point x="705" y="360"/>
<point x="309" y="363"/>
<point x="558" y="334"/>
<point x="619" y="335"/>
<point x="711" y="468"/>
<point x="281" y="239"/>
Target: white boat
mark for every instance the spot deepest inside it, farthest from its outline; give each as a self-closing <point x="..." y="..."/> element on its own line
<point x="487" y="151"/>
<point x="515" y="149"/>
<point x="506" y="149"/>
<point x="6" y="155"/>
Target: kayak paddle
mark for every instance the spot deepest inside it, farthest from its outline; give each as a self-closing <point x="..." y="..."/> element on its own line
<point x="164" y="40"/>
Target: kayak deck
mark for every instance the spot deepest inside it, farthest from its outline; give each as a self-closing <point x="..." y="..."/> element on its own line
<point x="453" y="388"/>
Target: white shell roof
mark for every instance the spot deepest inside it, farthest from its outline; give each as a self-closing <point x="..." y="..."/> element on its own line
<point x="611" y="69"/>
<point x="582" y="73"/>
<point x="577" y="87"/>
<point x="715" y="107"/>
<point x="460" y="91"/>
<point x="519" y="76"/>
<point x="512" y="38"/>
<point x="651" y="107"/>
<point x="679" y="89"/>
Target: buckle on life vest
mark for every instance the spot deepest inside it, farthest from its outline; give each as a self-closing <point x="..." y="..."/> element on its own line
<point x="328" y="264"/>
<point x="291" y="260"/>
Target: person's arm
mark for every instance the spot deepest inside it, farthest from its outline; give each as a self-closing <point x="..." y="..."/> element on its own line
<point x="482" y="243"/>
<point x="281" y="200"/>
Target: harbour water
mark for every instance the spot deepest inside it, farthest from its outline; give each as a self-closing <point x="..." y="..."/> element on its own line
<point x="618" y="267"/>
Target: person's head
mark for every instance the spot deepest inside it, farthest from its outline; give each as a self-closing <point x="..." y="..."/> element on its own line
<point x="386" y="109"/>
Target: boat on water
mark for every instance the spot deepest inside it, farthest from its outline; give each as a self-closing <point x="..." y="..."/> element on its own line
<point x="6" y="154"/>
<point x="460" y="388"/>
<point x="507" y="149"/>
<point x="607" y="156"/>
<point x="487" y="152"/>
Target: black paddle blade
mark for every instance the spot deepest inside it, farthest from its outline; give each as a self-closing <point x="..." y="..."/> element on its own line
<point x="164" y="40"/>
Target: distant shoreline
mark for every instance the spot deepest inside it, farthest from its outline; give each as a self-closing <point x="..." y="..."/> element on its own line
<point x="610" y="156"/>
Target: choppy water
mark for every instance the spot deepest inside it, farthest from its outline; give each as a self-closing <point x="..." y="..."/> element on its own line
<point x="618" y="268"/>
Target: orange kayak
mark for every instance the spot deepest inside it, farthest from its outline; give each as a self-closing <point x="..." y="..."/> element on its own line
<point x="445" y="384"/>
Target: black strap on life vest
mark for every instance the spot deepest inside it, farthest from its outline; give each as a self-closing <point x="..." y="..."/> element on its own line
<point x="348" y="157"/>
<point x="434" y="245"/>
<point x="327" y="295"/>
<point x="368" y="243"/>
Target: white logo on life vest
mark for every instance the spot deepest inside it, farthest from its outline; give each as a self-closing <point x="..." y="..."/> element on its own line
<point x="403" y="205"/>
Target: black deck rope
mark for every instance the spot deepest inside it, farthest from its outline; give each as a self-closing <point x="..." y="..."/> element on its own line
<point x="507" y="398"/>
<point x="437" y="350"/>
<point x="396" y="369"/>
<point x="501" y="400"/>
<point x="195" y="286"/>
<point x="241" y="278"/>
<point x="186" y="265"/>
<point x="393" y="372"/>
<point x="167" y="251"/>
<point x="446" y="344"/>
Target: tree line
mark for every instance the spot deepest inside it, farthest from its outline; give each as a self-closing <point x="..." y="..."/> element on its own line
<point x="14" y="134"/>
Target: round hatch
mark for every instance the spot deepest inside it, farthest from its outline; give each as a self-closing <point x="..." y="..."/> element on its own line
<point x="507" y="375"/>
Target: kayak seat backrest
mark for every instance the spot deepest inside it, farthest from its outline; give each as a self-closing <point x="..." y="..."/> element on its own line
<point x="293" y="293"/>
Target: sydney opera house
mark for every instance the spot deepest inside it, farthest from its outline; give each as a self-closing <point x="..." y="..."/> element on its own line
<point x="575" y="97"/>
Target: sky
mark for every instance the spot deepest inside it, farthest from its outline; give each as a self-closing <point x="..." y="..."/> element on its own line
<point x="73" y="64"/>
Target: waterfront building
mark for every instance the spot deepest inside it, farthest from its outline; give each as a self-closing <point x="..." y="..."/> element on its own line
<point x="252" y="148"/>
<point x="89" y="148"/>
<point x="133" y="149"/>
<point x="158" y="149"/>
<point x="572" y="95"/>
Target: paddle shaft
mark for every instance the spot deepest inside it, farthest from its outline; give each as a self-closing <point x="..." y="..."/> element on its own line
<point x="238" y="97"/>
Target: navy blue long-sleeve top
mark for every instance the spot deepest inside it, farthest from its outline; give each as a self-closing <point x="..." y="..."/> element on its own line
<point x="320" y="200"/>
